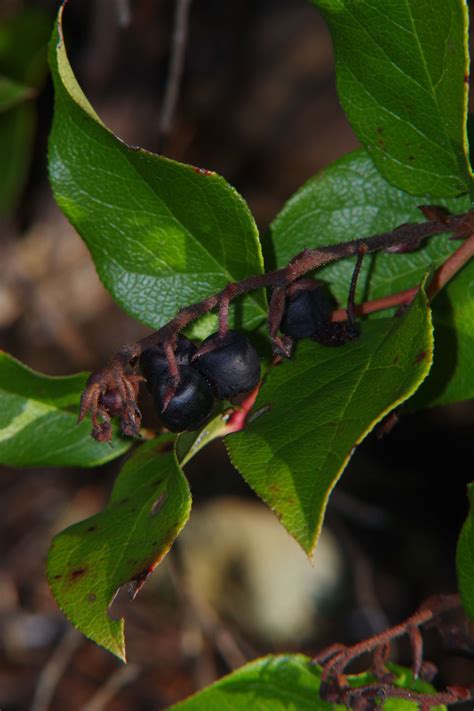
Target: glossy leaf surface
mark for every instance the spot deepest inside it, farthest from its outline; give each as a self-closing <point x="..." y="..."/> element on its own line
<point x="91" y="560"/>
<point x="38" y="421"/>
<point x="351" y="199"/>
<point x="313" y="410"/>
<point x="402" y="73"/>
<point x="162" y="234"/>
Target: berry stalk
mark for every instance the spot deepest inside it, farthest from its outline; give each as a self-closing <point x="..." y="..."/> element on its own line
<point x="118" y="376"/>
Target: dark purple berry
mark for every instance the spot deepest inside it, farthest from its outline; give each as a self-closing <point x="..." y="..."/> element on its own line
<point x="191" y="405"/>
<point x="307" y="313"/>
<point x="230" y="364"/>
<point x="153" y="363"/>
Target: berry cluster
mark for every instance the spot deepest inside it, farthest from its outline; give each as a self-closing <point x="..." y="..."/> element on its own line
<point x="185" y="381"/>
<point x="226" y="366"/>
<point x="222" y="368"/>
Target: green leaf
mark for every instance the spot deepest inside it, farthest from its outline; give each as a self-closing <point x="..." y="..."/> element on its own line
<point x="17" y="128"/>
<point x="402" y="68"/>
<point x="188" y="444"/>
<point x="23" y="46"/>
<point x="38" y="421"/>
<point x="162" y="234"/>
<point x="288" y="683"/>
<point x="465" y="558"/>
<point x="13" y="93"/>
<point x="404" y="680"/>
<point x="313" y="410"/>
<point x="452" y="376"/>
<point x="89" y="561"/>
<point x="23" y="53"/>
<point x="351" y="199"/>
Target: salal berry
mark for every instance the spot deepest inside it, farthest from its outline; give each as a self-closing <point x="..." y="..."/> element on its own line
<point x="230" y="364"/>
<point x="307" y="313"/>
<point x="191" y="405"/>
<point x="153" y="361"/>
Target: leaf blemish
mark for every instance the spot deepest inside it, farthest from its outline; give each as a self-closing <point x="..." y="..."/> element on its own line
<point x="158" y="504"/>
<point x="203" y="171"/>
<point x="258" y="413"/>
<point x="77" y="573"/>
<point x="421" y="356"/>
<point x="165" y="447"/>
<point x="91" y="597"/>
<point x="138" y="581"/>
<point x="91" y="529"/>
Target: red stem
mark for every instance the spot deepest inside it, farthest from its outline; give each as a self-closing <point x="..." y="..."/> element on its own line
<point x="436" y="607"/>
<point x="441" y="277"/>
<point x="403" y="238"/>
<point x="117" y="374"/>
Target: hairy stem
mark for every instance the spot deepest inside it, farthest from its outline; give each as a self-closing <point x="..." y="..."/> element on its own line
<point x="433" y="607"/>
<point x="335" y="660"/>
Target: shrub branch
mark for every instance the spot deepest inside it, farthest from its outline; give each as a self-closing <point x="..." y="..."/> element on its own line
<point x="335" y="659"/>
<point x="113" y="390"/>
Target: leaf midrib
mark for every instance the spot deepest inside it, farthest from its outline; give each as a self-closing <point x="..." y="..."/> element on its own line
<point x="123" y="149"/>
<point x="448" y="149"/>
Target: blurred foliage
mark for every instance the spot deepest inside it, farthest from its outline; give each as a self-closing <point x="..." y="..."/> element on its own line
<point x="23" y="60"/>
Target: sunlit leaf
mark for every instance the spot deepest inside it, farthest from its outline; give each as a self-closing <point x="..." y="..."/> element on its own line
<point x="91" y="560"/>
<point x="314" y="409"/>
<point x="162" y="234"/>
<point x="402" y="76"/>
<point x="288" y="683"/>
<point x="351" y="199"/>
<point x="38" y="421"/>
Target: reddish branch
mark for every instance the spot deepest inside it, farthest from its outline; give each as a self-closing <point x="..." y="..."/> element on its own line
<point x="113" y="390"/>
<point x="335" y="660"/>
<point x="440" y="278"/>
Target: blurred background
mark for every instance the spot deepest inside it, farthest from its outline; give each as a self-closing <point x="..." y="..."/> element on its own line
<point x="257" y="104"/>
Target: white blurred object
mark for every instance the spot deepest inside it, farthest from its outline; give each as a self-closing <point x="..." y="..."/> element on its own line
<point x="239" y="560"/>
